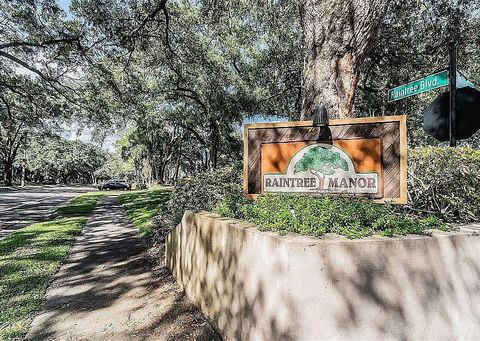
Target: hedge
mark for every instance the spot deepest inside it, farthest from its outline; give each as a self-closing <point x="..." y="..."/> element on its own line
<point x="315" y="216"/>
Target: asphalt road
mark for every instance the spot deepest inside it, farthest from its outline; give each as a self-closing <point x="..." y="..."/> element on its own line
<point x="19" y="208"/>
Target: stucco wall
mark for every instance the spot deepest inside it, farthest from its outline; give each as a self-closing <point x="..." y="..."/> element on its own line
<point x="261" y="286"/>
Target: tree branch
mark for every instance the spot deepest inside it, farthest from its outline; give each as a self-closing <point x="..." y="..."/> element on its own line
<point x="39" y="44"/>
<point x="8" y="107"/>
<point x="279" y="93"/>
<point x="194" y="132"/>
<point x="160" y="7"/>
<point x="25" y="65"/>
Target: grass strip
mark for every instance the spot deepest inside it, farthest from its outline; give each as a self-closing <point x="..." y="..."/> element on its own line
<point x="142" y="206"/>
<point x="81" y="205"/>
<point x="30" y="257"/>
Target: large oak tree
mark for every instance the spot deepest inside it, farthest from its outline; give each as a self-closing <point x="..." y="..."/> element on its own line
<point x="337" y="35"/>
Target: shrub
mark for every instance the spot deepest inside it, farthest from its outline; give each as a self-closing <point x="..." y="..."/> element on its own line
<point x="201" y="192"/>
<point x="353" y="218"/>
<point x="446" y="182"/>
<point x="138" y="186"/>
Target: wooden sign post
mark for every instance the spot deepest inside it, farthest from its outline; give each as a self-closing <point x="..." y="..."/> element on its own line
<point x="363" y="157"/>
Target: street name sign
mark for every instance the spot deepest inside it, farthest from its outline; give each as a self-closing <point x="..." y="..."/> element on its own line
<point x="362" y="157"/>
<point x="431" y="82"/>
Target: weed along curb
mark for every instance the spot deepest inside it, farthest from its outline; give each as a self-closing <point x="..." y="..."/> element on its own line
<point x="257" y="285"/>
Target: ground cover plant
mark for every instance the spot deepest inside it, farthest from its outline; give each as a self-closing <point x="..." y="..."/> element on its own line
<point x="315" y="216"/>
<point x="142" y="207"/>
<point x="30" y="257"/>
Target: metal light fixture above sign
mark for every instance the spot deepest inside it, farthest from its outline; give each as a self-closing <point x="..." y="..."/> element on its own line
<point x="320" y="118"/>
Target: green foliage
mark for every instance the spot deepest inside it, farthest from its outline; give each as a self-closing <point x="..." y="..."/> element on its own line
<point x="321" y="160"/>
<point x="153" y="149"/>
<point x="206" y="189"/>
<point x="140" y="186"/>
<point x="315" y="216"/>
<point x="55" y="159"/>
<point x="186" y="92"/>
<point x="28" y="260"/>
<point x="115" y="168"/>
<point x="40" y="68"/>
<point x="142" y="207"/>
<point x="185" y="84"/>
<point x="445" y="181"/>
<point x="406" y="50"/>
<point x="201" y="192"/>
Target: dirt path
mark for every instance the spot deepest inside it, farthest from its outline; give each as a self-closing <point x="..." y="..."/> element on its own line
<point x="106" y="291"/>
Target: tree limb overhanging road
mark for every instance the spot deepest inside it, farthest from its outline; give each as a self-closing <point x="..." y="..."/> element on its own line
<point x="23" y="207"/>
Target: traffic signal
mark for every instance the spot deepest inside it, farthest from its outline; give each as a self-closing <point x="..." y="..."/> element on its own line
<point x="436" y="116"/>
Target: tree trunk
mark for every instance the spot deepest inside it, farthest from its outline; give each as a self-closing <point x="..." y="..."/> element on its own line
<point x="214" y="143"/>
<point x="22" y="182"/>
<point x="321" y="179"/>
<point x="338" y="34"/>
<point x="179" y="160"/>
<point x="8" y="172"/>
<point x="24" y="166"/>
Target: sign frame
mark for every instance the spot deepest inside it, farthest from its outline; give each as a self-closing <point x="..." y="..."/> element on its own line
<point x="401" y="198"/>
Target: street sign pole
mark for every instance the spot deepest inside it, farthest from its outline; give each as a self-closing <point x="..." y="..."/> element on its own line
<point x="453" y="93"/>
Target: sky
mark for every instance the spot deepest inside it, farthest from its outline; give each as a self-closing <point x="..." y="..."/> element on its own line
<point x="65" y="4"/>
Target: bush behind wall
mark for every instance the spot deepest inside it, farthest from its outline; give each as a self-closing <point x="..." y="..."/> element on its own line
<point x="446" y="182"/>
<point x="203" y="191"/>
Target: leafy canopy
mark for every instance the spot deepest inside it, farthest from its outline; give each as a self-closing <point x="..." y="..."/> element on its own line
<point x="321" y="160"/>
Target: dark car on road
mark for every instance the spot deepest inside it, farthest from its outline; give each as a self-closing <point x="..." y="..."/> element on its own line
<point x="118" y="185"/>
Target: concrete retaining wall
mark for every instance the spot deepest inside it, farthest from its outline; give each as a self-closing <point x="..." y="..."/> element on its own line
<point x="261" y="286"/>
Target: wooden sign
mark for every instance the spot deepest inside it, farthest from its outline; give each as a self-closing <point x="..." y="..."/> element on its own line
<point x="363" y="157"/>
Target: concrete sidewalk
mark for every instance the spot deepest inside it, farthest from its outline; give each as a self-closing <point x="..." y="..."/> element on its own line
<point x="105" y="291"/>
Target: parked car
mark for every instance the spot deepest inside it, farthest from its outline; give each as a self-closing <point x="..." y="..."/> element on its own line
<point x="118" y="185"/>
